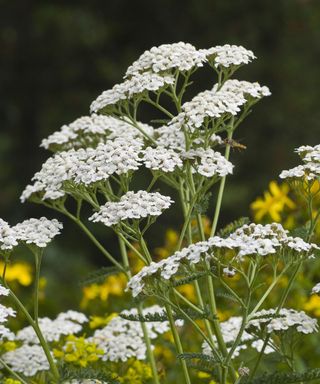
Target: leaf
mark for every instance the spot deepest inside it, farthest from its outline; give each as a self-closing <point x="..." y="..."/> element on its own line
<point x="287" y="378"/>
<point x="189" y="279"/>
<point x="99" y="275"/>
<point x="227" y="230"/>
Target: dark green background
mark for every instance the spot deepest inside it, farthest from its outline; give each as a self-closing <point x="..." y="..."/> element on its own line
<point x="57" y="56"/>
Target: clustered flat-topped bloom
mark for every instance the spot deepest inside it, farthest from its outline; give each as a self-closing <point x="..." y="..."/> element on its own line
<point x="84" y="166"/>
<point x="5" y="312"/>
<point x="27" y="359"/>
<point x="230" y="329"/>
<point x="163" y="159"/>
<point x="216" y="103"/>
<point x="283" y="320"/>
<point x="67" y="323"/>
<point x="132" y="205"/>
<point x="122" y="339"/>
<point x="8" y="238"/>
<point x="39" y="232"/>
<point x="137" y="85"/>
<point x="167" y="57"/>
<point x="229" y="55"/>
<point x="90" y="130"/>
<point x="310" y="169"/>
<point x="248" y="240"/>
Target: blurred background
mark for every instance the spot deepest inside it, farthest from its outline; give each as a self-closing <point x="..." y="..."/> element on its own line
<point x="56" y="57"/>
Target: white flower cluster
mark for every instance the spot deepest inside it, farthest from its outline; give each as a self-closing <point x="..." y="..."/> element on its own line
<point x="208" y="162"/>
<point x="282" y="321"/>
<point x="181" y="56"/>
<point x="310" y="169"/>
<point x="27" y="359"/>
<point x="8" y="238"/>
<point x="67" y="323"/>
<point x="5" y="312"/>
<point x="136" y="85"/>
<point x="316" y="289"/>
<point x="248" y="240"/>
<point x="39" y="232"/>
<point x="255" y="90"/>
<point x="228" y="55"/>
<point x="84" y="166"/>
<point x="122" y="339"/>
<point x="90" y="130"/>
<point x="230" y="330"/>
<point x="132" y="205"/>
<point x="159" y="158"/>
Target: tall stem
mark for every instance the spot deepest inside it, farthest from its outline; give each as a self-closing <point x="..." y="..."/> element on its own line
<point x="38" y="258"/>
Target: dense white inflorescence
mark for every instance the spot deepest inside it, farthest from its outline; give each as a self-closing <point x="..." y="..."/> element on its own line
<point x="246" y="88"/>
<point x="122" y="339"/>
<point x="65" y="324"/>
<point x="283" y="320"/>
<point x="310" y="169"/>
<point x="167" y="57"/>
<point x="5" y="312"/>
<point x="132" y="205"/>
<point x="163" y="159"/>
<point x="39" y="232"/>
<point x="84" y="166"/>
<point x="229" y="55"/>
<point x="90" y="130"/>
<point x="248" y="240"/>
<point x="316" y="288"/>
<point x="27" y="359"/>
<point x="8" y="238"/>
<point x="136" y="85"/>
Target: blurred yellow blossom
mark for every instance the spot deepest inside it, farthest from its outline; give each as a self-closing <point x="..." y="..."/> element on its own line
<point x="79" y="351"/>
<point x="100" y="321"/>
<point x="12" y="381"/>
<point x="313" y="305"/>
<point x="20" y="272"/>
<point x="113" y="285"/>
<point x="137" y="373"/>
<point x="273" y="202"/>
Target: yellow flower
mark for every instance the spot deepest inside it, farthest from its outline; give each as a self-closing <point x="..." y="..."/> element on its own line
<point x="99" y="321"/>
<point x="313" y="305"/>
<point x="12" y="381"/>
<point x="138" y="372"/>
<point x="273" y="202"/>
<point x="21" y="272"/>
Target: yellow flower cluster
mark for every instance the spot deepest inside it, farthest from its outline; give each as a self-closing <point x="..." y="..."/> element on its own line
<point x="78" y="351"/>
<point x="113" y="285"/>
<point x="20" y="272"/>
<point x="11" y="381"/>
<point x="138" y="372"/>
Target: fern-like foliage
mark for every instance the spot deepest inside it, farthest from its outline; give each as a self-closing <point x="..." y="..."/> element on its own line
<point x="68" y="373"/>
<point x="189" y="279"/>
<point x="287" y="378"/>
<point x="197" y="356"/>
<point x="99" y="275"/>
<point x="226" y="231"/>
<point x="202" y="206"/>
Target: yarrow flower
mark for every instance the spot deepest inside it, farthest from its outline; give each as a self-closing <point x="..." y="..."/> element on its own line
<point x="91" y="130"/>
<point x="245" y="241"/>
<point x="84" y="166"/>
<point x="8" y="238"/>
<point x="132" y="205"/>
<point x="163" y="159"/>
<point x="137" y="85"/>
<point x="316" y="289"/>
<point x="122" y="339"/>
<point x="229" y="55"/>
<point x="5" y="312"/>
<point x="65" y="324"/>
<point x="167" y="57"/>
<point x="310" y="169"/>
<point x="39" y="232"/>
<point x="27" y="359"/>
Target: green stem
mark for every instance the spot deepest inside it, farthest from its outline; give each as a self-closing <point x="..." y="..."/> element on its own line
<point x="221" y="189"/>
<point x="38" y="258"/>
<point x="177" y="342"/>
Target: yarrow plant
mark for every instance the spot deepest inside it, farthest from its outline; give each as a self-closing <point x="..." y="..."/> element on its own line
<point x="95" y="165"/>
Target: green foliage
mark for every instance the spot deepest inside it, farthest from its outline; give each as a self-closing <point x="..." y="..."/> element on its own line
<point x="99" y="275"/>
<point x="287" y="378"/>
<point x="227" y="230"/>
<point x="68" y="372"/>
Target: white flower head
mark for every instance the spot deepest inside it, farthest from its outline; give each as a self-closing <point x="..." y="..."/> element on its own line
<point x="39" y="232"/>
<point x="168" y="57"/>
<point x="229" y="55"/>
<point x="137" y="85"/>
<point x="161" y="159"/>
<point x="8" y="238"/>
<point x="316" y="289"/>
<point x="132" y="205"/>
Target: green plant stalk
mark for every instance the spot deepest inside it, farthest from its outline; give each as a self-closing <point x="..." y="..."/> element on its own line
<point x="177" y="342"/>
<point x="150" y="355"/>
<point x="38" y="258"/>
<point x="14" y="374"/>
<point x="36" y="328"/>
<point x="221" y="190"/>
